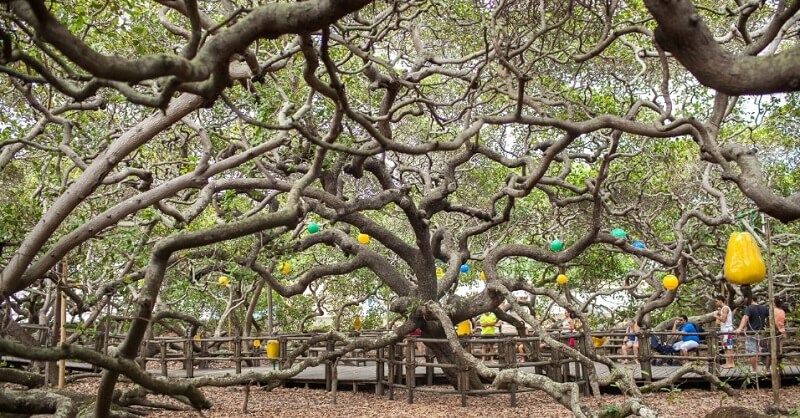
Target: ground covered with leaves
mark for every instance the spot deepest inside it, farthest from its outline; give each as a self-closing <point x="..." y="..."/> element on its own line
<point x="308" y="403"/>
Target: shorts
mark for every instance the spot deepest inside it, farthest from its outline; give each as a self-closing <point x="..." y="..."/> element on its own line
<point x="727" y="341"/>
<point x="685" y="345"/>
<point x="726" y="337"/>
<point x="751" y="344"/>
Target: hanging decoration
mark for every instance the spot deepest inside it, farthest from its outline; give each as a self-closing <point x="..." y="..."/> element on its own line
<point x="439" y="272"/>
<point x="285" y="268"/>
<point x="482" y="275"/>
<point x="313" y="228"/>
<point x="256" y="343"/>
<point x="618" y="233"/>
<point x="556" y="245"/>
<point x="363" y="239"/>
<point x="743" y="262"/>
<point x="562" y="279"/>
<point x="464" y="328"/>
<point x="357" y="325"/>
<point x="670" y="282"/>
<point x="638" y="244"/>
<point x="464" y="268"/>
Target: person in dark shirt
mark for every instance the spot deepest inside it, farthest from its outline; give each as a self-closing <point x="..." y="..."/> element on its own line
<point x="754" y="320"/>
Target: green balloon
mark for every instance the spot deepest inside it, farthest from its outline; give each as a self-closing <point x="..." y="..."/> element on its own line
<point x="618" y="233"/>
<point x="313" y="228"/>
<point x="556" y="245"/>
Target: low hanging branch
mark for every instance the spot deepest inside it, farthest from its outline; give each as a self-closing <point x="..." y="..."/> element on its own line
<point x="567" y="394"/>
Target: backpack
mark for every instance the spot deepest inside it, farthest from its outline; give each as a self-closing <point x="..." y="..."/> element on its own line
<point x="700" y="331"/>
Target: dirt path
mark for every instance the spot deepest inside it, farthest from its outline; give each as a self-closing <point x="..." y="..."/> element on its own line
<point x="310" y="403"/>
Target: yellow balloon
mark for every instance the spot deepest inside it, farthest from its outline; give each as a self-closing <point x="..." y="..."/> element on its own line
<point x="670" y="282"/>
<point x="561" y="279"/>
<point x="285" y="268"/>
<point x="363" y="239"/>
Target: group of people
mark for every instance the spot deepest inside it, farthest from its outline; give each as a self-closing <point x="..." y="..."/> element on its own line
<point x="754" y="320"/>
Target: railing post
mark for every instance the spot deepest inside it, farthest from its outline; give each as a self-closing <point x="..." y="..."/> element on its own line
<point x="329" y="346"/>
<point x="555" y="363"/>
<point x="580" y="371"/>
<point x="379" y="370"/>
<point x="712" y="343"/>
<point x="391" y="371"/>
<point x="283" y="350"/>
<point x="428" y="369"/>
<point x="188" y="355"/>
<point x="645" y="356"/>
<point x="237" y="353"/>
<point x="411" y="368"/>
<point x="203" y="364"/>
<point x="164" y="358"/>
<point x="511" y="360"/>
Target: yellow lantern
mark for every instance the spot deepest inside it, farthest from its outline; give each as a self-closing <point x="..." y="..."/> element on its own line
<point x="223" y="281"/>
<point x="464" y="328"/>
<point x="743" y="262"/>
<point x="357" y="325"/>
<point x="439" y="273"/>
<point x="273" y="349"/>
<point x="256" y="343"/>
<point x="363" y="239"/>
<point x="285" y="268"/>
<point x="670" y="282"/>
<point x="561" y="279"/>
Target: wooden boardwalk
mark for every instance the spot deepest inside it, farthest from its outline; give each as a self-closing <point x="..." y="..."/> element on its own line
<point x="349" y="374"/>
<point x="359" y="368"/>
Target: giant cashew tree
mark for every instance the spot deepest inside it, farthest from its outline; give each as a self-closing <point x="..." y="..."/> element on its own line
<point x="147" y="148"/>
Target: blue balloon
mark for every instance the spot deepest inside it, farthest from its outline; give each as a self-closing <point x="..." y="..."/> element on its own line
<point x="464" y="268"/>
<point x="638" y="244"/>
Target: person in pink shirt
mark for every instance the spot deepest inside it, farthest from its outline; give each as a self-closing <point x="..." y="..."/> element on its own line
<point x="780" y="324"/>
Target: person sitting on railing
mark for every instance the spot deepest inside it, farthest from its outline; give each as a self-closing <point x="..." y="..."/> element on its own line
<point x="631" y="341"/>
<point x="689" y="339"/>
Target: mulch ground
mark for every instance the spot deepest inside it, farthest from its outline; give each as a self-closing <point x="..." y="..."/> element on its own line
<point x="309" y="403"/>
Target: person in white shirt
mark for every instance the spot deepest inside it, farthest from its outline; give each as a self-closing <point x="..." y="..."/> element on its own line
<point x="724" y="317"/>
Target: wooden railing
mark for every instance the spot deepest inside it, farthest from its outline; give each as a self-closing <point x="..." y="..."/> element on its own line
<point x="396" y="365"/>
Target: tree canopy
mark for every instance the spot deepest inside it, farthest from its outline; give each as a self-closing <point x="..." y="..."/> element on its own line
<point x="338" y="156"/>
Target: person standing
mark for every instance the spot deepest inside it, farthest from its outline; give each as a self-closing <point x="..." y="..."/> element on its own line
<point x="689" y="339"/>
<point x="724" y="317"/>
<point x="780" y="325"/>
<point x="487" y="321"/>
<point x="568" y="327"/>
<point x="753" y="321"/>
